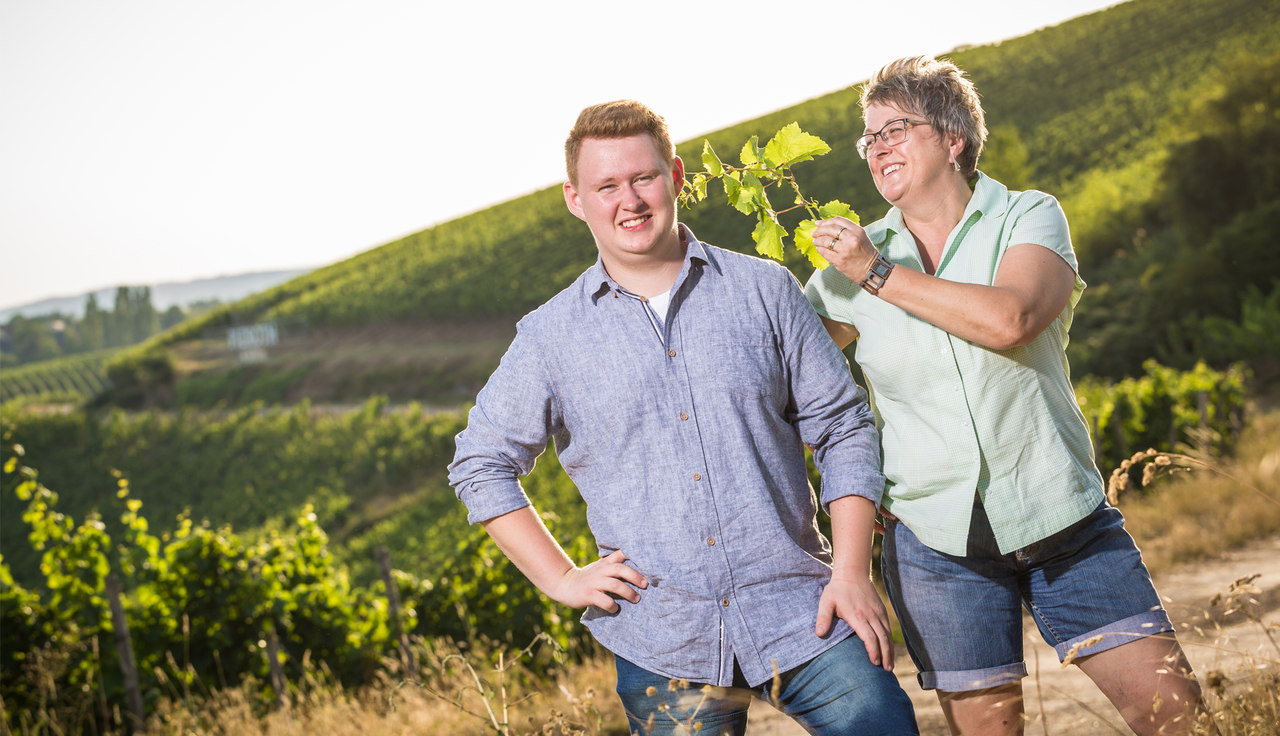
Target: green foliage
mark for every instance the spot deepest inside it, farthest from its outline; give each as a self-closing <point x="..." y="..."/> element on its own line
<point x="1255" y="337"/>
<point x="1163" y="409"/>
<point x="1006" y="158"/>
<point x="239" y="386"/>
<point x="201" y="600"/>
<point x="74" y="379"/>
<point x="374" y="476"/>
<point x="1190" y="231"/>
<point x="139" y="379"/>
<point x="745" y="188"/>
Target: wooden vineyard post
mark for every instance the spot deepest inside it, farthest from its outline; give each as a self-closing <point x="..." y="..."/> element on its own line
<point x="1117" y="427"/>
<point x="278" y="684"/>
<point x="383" y="557"/>
<point x="124" y="648"/>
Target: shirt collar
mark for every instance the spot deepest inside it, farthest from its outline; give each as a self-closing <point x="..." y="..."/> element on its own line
<point x="597" y="281"/>
<point x="990" y="198"/>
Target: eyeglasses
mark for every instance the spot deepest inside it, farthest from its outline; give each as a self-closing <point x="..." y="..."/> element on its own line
<point x="893" y="133"/>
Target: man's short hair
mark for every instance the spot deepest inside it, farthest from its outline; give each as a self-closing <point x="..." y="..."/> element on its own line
<point x="618" y="119"/>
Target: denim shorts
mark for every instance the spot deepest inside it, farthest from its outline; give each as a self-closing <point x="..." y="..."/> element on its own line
<point x="962" y="616"/>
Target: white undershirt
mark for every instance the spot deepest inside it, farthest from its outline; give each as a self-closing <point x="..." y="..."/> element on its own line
<point x="660" y="304"/>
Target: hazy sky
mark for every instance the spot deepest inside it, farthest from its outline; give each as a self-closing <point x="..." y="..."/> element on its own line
<point x="164" y="140"/>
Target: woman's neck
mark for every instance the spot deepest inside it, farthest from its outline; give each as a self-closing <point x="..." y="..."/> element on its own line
<point x="931" y="221"/>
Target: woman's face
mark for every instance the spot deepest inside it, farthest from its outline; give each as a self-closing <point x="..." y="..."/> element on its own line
<point x="909" y="170"/>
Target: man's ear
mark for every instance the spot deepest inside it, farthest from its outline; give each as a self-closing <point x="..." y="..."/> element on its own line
<point x="677" y="174"/>
<point x="572" y="201"/>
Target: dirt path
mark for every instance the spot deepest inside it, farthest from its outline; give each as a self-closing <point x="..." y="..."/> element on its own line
<point x="1066" y="699"/>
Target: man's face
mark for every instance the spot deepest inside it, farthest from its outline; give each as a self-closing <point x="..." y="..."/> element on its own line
<point x="626" y="193"/>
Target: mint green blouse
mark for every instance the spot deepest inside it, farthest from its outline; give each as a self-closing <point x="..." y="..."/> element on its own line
<point x="957" y="418"/>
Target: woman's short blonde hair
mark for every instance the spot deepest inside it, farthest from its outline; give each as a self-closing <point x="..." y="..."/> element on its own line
<point x="938" y="91"/>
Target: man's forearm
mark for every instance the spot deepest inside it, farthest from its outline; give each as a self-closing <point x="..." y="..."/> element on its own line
<point x="852" y="519"/>
<point x="525" y="540"/>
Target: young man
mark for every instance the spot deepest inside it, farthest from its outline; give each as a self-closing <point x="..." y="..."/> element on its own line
<point x="681" y="382"/>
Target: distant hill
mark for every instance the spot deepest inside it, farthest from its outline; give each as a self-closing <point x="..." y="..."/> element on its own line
<point x="163" y="295"/>
<point x="1152" y="122"/>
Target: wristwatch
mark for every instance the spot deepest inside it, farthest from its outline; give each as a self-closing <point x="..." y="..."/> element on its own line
<point x="876" y="275"/>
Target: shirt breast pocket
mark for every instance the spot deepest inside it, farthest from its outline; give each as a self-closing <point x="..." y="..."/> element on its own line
<point x="745" y="364"/>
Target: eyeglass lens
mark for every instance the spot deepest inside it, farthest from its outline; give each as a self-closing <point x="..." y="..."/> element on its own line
<point x="893" y="133"/>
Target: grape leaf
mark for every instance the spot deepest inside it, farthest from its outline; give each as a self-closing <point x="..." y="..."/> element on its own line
<point x="710" y="161"/>
<point x="751" y="196"/>
<point x="804" y="243"/>
<point x="699" y="187"/>
<point x="768" y="236"/>
<point x="792" y="145"/>
<point x="751" y="153"/>
<point x="732" y="190"/>
<point x="836" y="208"/>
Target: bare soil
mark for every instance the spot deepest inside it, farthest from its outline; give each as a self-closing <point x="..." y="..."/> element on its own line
<point x="1062" y="700"/>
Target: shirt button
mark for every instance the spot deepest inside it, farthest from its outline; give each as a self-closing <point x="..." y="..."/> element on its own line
<point x="684" y="417"/>
<point x="711" y="541"/>
<point x="671" y="353"/>
<point x="697" y="476"/>
<point x="725" y="602"/>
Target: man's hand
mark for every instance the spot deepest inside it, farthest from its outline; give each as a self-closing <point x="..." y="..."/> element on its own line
<point x="523" y="538"/>
<point x="599" y="584"/>
<point x="853" y="598"/>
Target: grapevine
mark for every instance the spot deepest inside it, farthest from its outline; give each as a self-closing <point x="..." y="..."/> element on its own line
<point x="745" y="187"/>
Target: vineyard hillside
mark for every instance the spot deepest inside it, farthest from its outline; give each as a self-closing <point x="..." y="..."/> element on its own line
<point x="1154" y="121"/>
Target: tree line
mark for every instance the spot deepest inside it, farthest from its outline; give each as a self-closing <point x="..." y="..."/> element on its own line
<point x="132" y="319"/>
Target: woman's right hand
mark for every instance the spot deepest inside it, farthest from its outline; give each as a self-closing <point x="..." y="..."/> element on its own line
<point x="846" y="246"/>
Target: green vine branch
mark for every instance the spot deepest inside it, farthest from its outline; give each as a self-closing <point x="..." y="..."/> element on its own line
<point x="764" y="167"/>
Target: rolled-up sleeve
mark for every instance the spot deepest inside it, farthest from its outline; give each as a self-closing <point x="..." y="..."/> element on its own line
<point x="506" y="431"/>
<point x="831" y="411"/>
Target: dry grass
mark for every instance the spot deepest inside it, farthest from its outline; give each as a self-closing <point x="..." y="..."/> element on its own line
<point x="1247" y="705"/>
<point x="458" y="695"/>
<point x="1201" y="513"/>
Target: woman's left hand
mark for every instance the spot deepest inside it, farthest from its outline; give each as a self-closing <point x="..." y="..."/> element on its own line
<point x="846" y="246"/>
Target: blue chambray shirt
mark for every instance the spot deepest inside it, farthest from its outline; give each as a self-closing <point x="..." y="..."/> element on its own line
<point x="689" y="452"/>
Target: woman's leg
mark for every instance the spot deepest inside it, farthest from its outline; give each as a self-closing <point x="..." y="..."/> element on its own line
<point x="1092" y="598"/>
<point x="962" y="620"/>
<point x="1150" y="682"/>
<point x="996" y="711"/>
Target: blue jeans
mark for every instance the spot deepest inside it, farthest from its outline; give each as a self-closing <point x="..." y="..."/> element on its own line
<point x="1085" y="586"/>
<point x="837" y="693"/>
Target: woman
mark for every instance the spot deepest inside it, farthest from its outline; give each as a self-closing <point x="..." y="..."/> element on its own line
<point x="960" y="300"/>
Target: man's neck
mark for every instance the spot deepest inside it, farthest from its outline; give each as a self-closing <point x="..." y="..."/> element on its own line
<point x="652" y="273"/>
